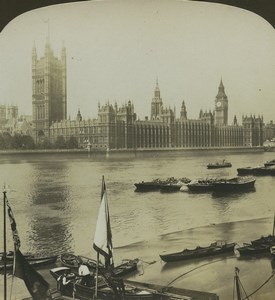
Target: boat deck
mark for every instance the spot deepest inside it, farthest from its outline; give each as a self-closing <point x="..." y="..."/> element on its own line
<point x="176" y="292"/>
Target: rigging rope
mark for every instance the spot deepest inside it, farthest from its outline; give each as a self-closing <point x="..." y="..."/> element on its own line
<point x="209" y="263"/>
<point x="247" y="297"/>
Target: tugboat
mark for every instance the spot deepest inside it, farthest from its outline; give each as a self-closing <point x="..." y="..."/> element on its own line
<point x="218" y="165"/>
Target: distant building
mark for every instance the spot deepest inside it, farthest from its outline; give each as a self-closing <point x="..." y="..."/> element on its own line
<point x="3" y="116"/>
<point x="119" y="128"/>
<point x="49" y="90"/>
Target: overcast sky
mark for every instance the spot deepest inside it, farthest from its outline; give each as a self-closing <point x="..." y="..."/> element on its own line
<point x="117" y="49"/>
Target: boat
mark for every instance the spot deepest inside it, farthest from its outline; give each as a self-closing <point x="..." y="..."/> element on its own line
<point x="215" y="248"/>
<point x="33" y="261"/>
<point x="171" y="187"/>
<point x="103" y="289"/>
<point x="264" y="240"/>
<point x="218" y="165"/>
<point x="28" y="256"/>
<point x="268" y="239"/>
<point x="10" y="255"/>
<point x="270" y="163"/>
<point x="249" y="249"/>
<point x="235" y="184"/>
<point x="257" y="171"/>
<point x="201" y="185"/>
<point x="105" y="284"/>
<point x="72" y="261"/>
<point x="159" y="184"/>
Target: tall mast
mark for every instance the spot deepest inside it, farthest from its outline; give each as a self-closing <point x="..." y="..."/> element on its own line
<point x="273" y="225"/>
<point x="237" y="284"/>
<point x="5" y="245"/>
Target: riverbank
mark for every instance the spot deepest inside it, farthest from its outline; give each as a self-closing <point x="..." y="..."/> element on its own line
<point x="141" y="150"/>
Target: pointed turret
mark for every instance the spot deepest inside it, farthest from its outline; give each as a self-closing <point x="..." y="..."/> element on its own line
<point x="156" y="104"/>
<point x="221" y="106"/>
<point x="157" y="91"/>
<point x="183" y="112"/>
<point x="221" y="92"/>
<point x="79" y="116"/>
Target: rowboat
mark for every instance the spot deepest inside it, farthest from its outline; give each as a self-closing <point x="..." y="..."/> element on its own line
<point x="103" y="289"/>
<point x="169" y="184"/>
<point x="215" y="248"/>
<point x="249" y="249"/>
<point x="235" y="184"/>
<point x="103" y="283"/>
<point x="72" y="261"/>
<point x="257" y="171"/>
<point x="33" y="261"/>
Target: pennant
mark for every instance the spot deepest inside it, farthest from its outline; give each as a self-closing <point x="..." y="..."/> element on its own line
<point x="103" y="234"/>
<point x="37" y="286"/>
<point x="15" y="235"/>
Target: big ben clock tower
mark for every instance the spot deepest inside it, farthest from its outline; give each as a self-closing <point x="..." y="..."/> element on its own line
<point x="221" y="107"/>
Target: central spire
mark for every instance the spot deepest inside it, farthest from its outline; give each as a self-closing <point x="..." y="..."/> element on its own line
<point x="157" y="91"/>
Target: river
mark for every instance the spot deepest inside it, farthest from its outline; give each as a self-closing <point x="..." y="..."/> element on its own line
<point x="55" y="200"/>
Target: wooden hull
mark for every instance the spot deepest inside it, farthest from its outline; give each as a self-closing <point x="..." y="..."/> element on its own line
<point x="200" y="188"/>
<point x="198" y="253"/>
<point x="171" y="184"/>
<point x="170" y="188"/>
<point x="147" y="186"/>
<point x="264" y="240"/>
<point x="257" y="171"/>
<point x="35" y="262"/>
<point x="83" y="292"/>
<point x="234" y="185"/>
<point x="72" y="261"/>
<point x="253" y="249"/>
<point x="218" y="166"/>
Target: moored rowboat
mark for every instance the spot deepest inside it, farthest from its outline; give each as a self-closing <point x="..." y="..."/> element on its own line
<point x="34" y="261"/>
<point x="214" y="249"/>
<point x="72" y="261"/>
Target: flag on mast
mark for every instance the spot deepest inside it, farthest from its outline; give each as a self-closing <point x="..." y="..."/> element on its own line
<point x="16" y="239"/>
<point x="103" y="234"/>
<point x="37" y="286"/>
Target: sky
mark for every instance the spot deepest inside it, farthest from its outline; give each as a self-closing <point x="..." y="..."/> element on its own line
<point x="117" y="49"/>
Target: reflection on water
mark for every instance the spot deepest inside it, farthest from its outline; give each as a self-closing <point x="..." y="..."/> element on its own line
<point x="56" y="198"/>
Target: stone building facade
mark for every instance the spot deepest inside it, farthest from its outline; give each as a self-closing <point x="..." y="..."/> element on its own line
<point x="118" y="128"/>
<point x="49" y="90"/>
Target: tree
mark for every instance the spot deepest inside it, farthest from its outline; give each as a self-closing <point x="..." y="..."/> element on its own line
<point x="27" y="142"/>
<point x="60" y="142"/>
<point x="72" y="143"/>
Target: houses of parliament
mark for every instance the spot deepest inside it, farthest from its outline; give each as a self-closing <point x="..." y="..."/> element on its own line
<point x="117" y="127"/>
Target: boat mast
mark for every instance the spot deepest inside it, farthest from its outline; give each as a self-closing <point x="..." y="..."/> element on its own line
<point x="5" y="245"/>
<point x="273" y="225"/>
<point x="237" y="284"/>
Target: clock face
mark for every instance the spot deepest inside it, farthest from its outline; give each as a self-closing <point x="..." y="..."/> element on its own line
<point x="219" y="104"/>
